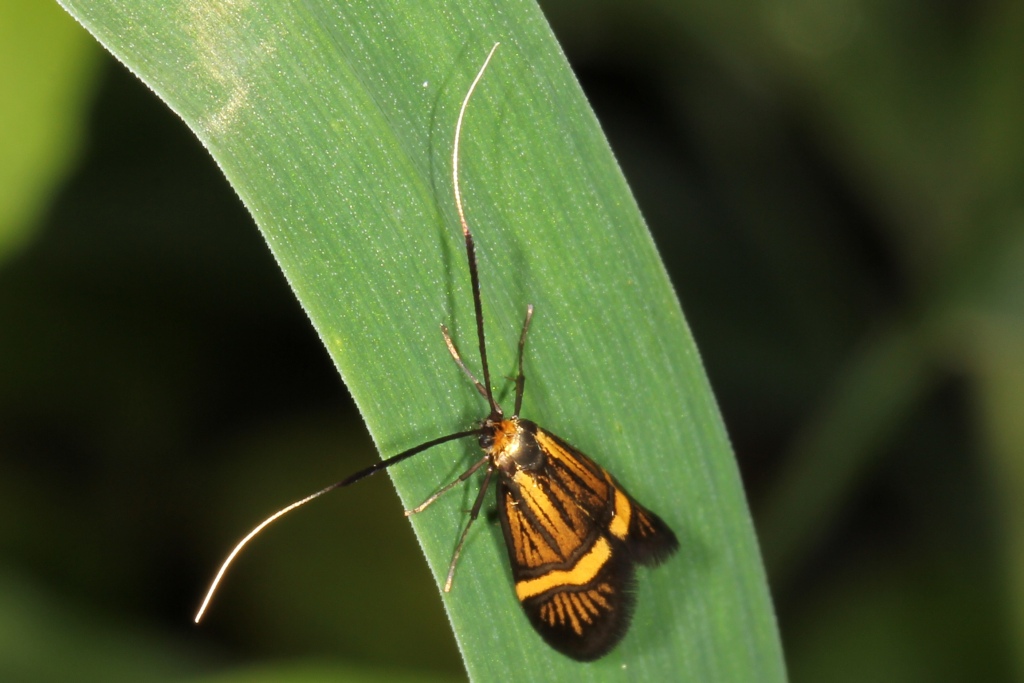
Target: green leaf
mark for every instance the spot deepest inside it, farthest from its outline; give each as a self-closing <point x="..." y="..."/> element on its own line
<point x="46" y="79"/>
<point x="334" y="123"/>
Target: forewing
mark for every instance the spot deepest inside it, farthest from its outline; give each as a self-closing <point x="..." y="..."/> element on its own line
<point x="572" y="578"/>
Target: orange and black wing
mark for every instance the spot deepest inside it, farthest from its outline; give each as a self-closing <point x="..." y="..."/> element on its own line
<point x="573" y="536"/>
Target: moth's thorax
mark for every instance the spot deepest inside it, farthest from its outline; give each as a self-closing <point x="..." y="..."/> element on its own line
<point x="511" y="445"/>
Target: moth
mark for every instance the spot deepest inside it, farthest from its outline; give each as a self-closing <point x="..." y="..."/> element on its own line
<point x="574" y="535"/>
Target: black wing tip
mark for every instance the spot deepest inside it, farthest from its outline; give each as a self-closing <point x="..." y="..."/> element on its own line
<point x="597" y="641"/>
<point x="601" y="636"/>
<point x="656" y="545"/>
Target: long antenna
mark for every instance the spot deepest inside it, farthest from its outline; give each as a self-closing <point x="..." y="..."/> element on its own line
<point x="470" y="248"/>
<point x="251" y="535"/>
<point x="351" y="479"/>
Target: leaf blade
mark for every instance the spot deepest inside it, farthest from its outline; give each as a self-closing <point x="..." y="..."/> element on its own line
<point x="334" y="125"/>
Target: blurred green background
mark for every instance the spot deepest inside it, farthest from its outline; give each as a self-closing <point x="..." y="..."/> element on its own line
<point x="836" y="190"/>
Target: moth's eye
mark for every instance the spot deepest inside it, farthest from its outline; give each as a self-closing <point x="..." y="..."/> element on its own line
<point x="486" y="440"/>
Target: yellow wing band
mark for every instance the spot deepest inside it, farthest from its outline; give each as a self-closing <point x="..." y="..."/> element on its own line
<point x="619" y="527"/>
<point x="582" y="573"/>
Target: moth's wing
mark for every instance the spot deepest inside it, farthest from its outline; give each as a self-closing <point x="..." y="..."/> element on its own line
<point x="573" y="578"/>
<point x="585" y="610"/>
<point x="648" y="539"/>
